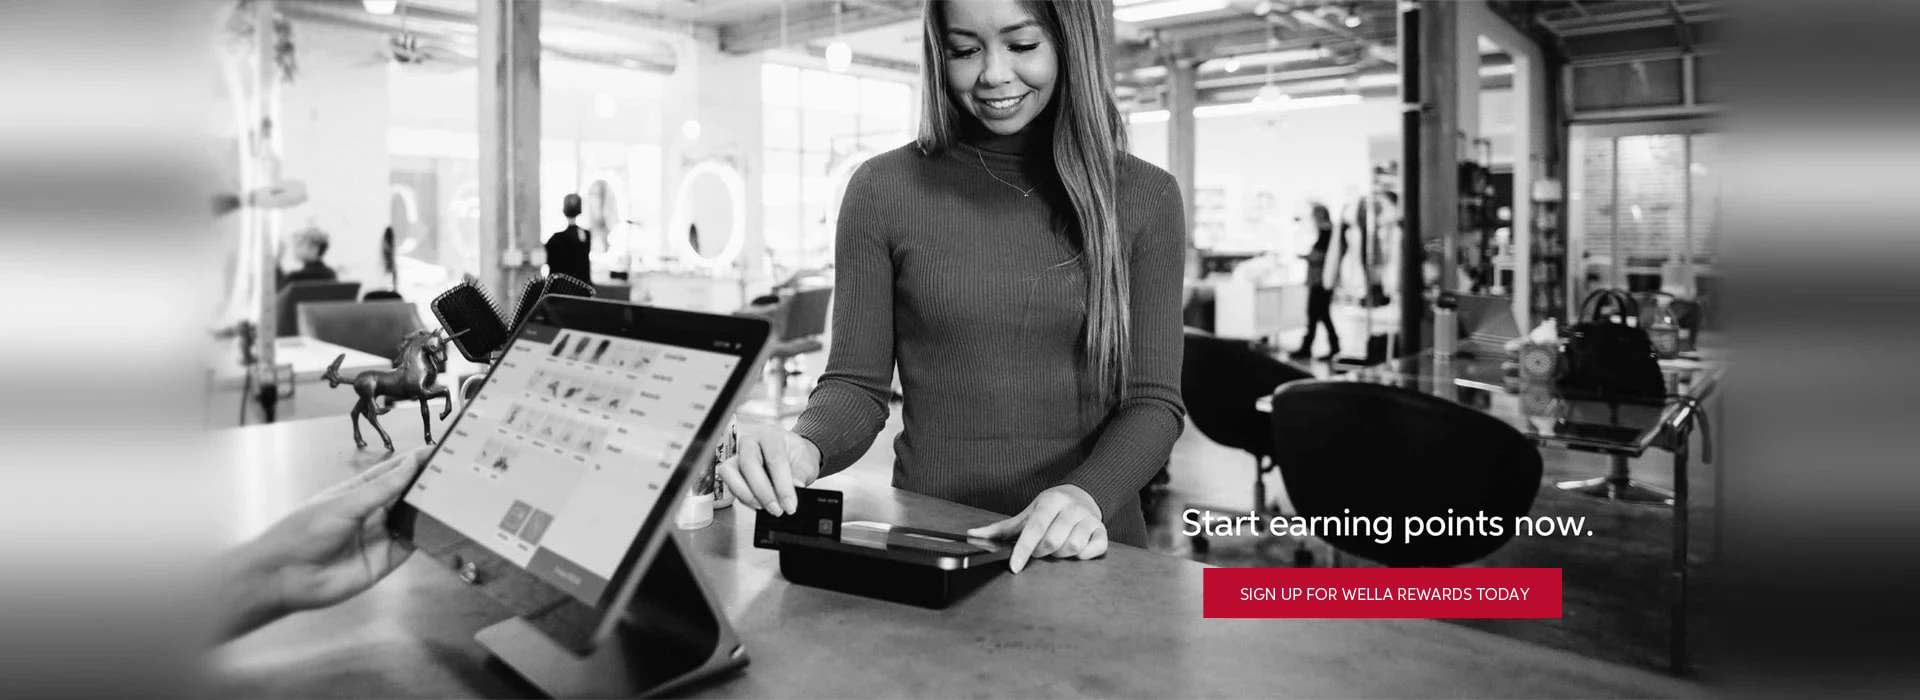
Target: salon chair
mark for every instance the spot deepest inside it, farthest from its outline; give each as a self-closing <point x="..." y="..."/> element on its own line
<point x="1221" y="380"/>
<point x="1355" y="449"/>
<point x="615" y="291"/>
<point x="799" y="320"/>
<point x="298" y="294"/>
<point x="372" y="327"/>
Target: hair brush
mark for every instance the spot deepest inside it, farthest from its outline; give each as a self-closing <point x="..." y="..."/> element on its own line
<point x="530" y="295"/>
<point x="470" y="316"/>
<point x="570" y="286"/>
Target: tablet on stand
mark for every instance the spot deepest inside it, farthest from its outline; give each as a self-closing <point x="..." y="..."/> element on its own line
<point x="554" y="491"/>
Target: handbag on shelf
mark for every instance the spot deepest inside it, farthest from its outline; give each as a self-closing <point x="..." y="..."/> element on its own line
<point x="1606" y="358"/>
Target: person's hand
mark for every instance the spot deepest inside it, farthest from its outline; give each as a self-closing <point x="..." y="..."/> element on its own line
<point x="337" y="544"/>
<point x="768" y="463"/>
<point x="1062" y="522"/>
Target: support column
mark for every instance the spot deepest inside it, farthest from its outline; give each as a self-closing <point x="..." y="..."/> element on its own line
<point x="1430" y="77"/>
<point x="1182" y="95"/>
<point x="509" y="42"/>
<point x="1440" y="134"/>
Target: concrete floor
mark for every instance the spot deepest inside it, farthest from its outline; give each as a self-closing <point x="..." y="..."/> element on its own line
<point x="1614" y="583"/>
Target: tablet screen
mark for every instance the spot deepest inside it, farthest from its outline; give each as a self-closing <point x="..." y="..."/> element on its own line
<point x="570" y="446"/>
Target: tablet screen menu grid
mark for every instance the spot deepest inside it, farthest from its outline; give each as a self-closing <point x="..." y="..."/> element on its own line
<point x="568" y="448"/>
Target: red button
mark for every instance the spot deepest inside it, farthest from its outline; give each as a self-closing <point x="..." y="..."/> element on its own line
<point x="1382" y="593"/>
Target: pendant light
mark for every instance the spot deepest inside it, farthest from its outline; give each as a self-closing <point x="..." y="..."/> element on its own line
<point x="839" y="54"/>
<point x="380" y="7"/>
<point x="1270" y="92"/>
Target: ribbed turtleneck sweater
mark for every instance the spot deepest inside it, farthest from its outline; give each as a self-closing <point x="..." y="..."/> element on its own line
<point x="947" y="270"/>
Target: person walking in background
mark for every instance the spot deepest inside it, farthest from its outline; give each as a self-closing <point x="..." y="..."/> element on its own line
<point x="1321" y="279"/>
<point x="310" y="250"/>
<point x="567" y="250"/>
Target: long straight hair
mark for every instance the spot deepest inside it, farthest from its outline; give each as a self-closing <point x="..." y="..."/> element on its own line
<point x="1088" y="138"/>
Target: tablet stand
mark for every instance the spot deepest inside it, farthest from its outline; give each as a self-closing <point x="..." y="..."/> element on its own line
<point x="673" y="634"/>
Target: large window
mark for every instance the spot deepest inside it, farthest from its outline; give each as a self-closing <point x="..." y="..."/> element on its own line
<point x="1645" y="206"/>
<point x="818" y="124"/>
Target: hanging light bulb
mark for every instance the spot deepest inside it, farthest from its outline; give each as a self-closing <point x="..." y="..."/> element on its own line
<point x="839" y="57"/>
<point x="1233" y="64"/>
<point x="1352" y="20"/>
<point x="1269" y="92"/>
<point x="839" y="54"/>
<point x="380" y="7"/>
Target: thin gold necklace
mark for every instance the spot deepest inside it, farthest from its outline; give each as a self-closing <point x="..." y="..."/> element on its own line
<point x="983" y="166"/>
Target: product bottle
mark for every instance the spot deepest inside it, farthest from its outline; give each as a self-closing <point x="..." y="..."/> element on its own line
<point x="1446" y="329"/>
<point x="1665" y="332"/>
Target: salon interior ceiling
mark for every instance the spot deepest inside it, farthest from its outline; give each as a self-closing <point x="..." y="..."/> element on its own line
<point x="1309" y="46"/>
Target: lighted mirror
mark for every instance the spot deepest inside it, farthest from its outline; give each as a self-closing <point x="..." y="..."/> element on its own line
<point x="709" y="214"/>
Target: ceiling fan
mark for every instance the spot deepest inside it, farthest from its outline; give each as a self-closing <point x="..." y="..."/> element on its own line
<point x="406" y="48"/>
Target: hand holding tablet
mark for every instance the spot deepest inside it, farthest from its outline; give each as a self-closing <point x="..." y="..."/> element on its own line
<point x="331" y="549"/>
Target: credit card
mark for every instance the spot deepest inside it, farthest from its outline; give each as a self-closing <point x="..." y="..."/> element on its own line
<point x="816" y="515"/>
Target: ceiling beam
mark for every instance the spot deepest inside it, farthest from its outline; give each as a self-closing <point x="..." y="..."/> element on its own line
<point x="1682" y="30"/>
<point x="813" y="23"/>
<point x="860" y="59"/>
<point x="1234" y="95"/>
<point x="1221" y="45"/>
<point x="1646" y="40"/>
<point x="1610" y="21"/>
<point x="352" y="17"/>
<point x="1658" y="21"/>
<point x="598" y="14"/>
<point x="1376" y="50"/>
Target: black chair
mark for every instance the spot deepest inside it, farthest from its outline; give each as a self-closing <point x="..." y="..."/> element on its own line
<point x="295" y="294"/>
<point x="1221" y="380"/>
<point x="382" y="295"/>
<point x="799" y="320"/>
<point x="1354" y="449"/>
<point x="372" y="327"/>
<point x="613" y="290"/>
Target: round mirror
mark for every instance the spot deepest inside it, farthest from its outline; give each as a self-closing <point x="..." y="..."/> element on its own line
<point x="709" y="214"/>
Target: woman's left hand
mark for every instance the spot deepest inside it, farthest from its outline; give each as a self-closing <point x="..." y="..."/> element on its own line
<point x="1062" y="522"/>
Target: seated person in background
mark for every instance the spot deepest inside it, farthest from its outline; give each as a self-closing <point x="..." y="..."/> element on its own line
<point x="309" y="247"/>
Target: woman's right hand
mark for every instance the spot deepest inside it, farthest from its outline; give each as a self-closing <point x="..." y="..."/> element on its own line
<point x="768" y="462"/>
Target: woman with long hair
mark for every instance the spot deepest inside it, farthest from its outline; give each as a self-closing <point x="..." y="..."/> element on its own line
<point x="1024" y="274"/>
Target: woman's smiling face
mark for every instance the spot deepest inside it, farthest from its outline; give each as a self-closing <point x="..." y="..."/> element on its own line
<point x="1001" y="66"/>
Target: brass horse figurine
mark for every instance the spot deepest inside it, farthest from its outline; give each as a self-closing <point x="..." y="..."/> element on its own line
<point x="423" y="356"/>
